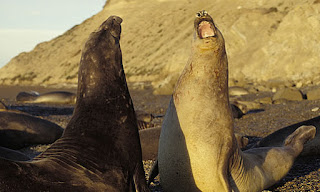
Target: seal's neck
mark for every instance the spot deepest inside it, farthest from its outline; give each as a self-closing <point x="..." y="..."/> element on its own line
<point x="206" y="75"/>
<point x="101" y="77"/>
<point x="210" y="65"/>
<point x="103" y="100"/>
<point x="202" y="89"/>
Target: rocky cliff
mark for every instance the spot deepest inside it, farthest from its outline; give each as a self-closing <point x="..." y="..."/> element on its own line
<point x="266" y="40"/>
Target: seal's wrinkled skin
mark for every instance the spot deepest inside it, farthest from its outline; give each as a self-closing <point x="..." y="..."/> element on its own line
<point x="100" y="148"/>
<point x="198" y="150"/>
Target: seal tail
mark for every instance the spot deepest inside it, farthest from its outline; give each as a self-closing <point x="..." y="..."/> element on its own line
<point x="153" y="172"/>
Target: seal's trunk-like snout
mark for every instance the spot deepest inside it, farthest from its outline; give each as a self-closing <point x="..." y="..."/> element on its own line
<point x="204" y="25"/>
<point x="113" y="23"/>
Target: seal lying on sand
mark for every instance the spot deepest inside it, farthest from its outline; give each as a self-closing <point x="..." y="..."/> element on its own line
<point x="12" y="155"/>
<point x="197" y="149"/>
<point x="3" y="106"/>
<point x="18" y="130"/>
<point x="62" y="97"/>
<point x="100" y="148"/>
<point x="149" y="139"/>
<point x="277" y="138"/>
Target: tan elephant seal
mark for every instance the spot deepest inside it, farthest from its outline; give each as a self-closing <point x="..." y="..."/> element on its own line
<point x="100" y="148"/>
<point x="238" y="91"/>
<point x="149" y="139"/>
<point x="197" y="148"/>
<point x="57" y="97"/>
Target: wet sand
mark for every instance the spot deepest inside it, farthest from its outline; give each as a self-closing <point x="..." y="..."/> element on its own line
<point x="304" y="176"/>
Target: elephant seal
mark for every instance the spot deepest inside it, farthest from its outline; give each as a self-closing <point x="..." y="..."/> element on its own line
<point x="3" y="107"/>
<point x="12" y="154"/>
<point x="197" y="148"/>
<point x="18" y="130"/>
<point x="278" y="137"/>
<point x="59" y="97"/>
<point x="100" y="148"/>
<point x="238" y="91"/>
<point x="149" y="139"/>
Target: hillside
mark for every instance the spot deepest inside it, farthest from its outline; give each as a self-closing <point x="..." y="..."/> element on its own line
<point x="266" y="41"/>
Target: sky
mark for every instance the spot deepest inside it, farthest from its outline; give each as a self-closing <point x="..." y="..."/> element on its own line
<point x="25" y="23"/>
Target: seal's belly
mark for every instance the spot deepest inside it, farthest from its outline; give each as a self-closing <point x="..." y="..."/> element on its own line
<point x="174" y="164"/>
<point x="188" y="168"/>
<point x="185" y="164"/>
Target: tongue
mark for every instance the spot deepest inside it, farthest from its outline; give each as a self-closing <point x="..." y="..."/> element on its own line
<point x="205" y="30"/>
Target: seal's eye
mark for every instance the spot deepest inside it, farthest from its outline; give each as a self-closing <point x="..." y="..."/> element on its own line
<point x="201" y="13"/>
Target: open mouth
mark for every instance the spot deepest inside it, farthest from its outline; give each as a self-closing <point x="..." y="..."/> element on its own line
<point x="205" y="30"/>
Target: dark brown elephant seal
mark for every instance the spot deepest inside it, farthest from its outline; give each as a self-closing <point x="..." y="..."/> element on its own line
<point x="278" y="137"/>
<point x="100" y="147"/>
<point x="197" y="148"/>
<point x="18" y="130"/>
<point x="13" y="155"/>
<point x="60" y="97"/>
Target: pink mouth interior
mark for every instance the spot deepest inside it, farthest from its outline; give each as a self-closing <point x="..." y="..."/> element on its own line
<point x="205" y="30"/>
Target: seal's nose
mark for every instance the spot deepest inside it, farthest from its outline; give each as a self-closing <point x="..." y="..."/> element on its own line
<point x="117" y="19"/>
<point x="111" y="21"/>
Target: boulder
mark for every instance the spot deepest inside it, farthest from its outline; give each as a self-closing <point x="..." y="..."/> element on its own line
<point x="290" y="94"/>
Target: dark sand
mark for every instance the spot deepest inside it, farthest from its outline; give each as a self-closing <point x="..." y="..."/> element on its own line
<point x="304" y="176"/>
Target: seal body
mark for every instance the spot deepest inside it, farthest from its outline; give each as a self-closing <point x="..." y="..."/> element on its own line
<point x="149" y="142"/>
<point x="198" y="150"/>
<point x="100" y="148"/>
<point x="13" y="155"/>
<point x="60" y="97"/>
<point x="149" y="139"/>
<point x="3" y="106"/>
<point x="18" y="130"/>
<point x="192" y="125"/>
<point x="277" y="138"/>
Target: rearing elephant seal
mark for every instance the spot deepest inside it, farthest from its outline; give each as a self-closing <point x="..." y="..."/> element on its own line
<point x="100" y="148"/>
<point x="197" y="149"/>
